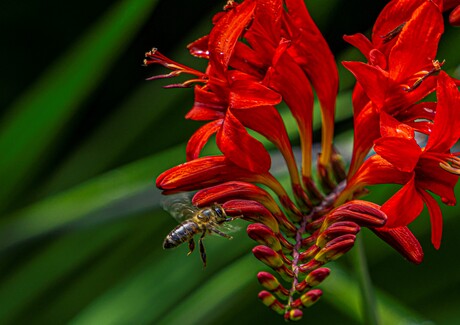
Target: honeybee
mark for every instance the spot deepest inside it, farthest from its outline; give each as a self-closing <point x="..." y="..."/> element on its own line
<point x="193" y="221"/>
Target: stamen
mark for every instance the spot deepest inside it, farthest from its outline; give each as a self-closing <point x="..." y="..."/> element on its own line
<point x="452" y="165"/>
<point x="389" y="36"/>
<point x="436" y="67"/>
<point x="155" y="57"/>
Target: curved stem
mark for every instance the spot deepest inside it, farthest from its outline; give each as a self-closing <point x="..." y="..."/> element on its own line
<point x="369" y="305"/>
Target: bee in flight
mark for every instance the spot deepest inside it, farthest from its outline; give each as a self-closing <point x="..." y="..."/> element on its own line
<point x="194" y="221"/>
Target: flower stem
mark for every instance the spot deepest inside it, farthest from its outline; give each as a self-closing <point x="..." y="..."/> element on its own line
<point x="369" y="306"/>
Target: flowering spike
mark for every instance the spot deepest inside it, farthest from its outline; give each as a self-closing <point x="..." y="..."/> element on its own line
<point x="261" y="53"/>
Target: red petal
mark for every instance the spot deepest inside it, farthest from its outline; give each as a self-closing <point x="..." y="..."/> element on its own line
<point x="391" y="127"/>
<point x="207" y="106"/>
<point x="401" y="153"/>
<point x="290" y="81"/>
<point x="226" y="32"/>
<point x="377" y="170"/>
<point x="403" y="241"/>
<point x="200" y="173"/>
<point x="200" y="48"/>
<point x="366" y="131"/>
<point x="454" y="17"/>
<point x="361" y="42"/>
<point x="248" y="93"/>
<point x="359" y="99"/>
<point x="446" y="128"/>
<point x="200" y="138"/>
<point x="403" y="207"/>
<point x="425" y="110"/>
<point x="318" y="63"/>
<point x="435" y="217"/>
<point x="373" y="80"/>
<point x="430" y="176"/>
<point x="241" y="148"/>
<point x="417" y="44"/>
<point x="248" y="60"/>
<point x="267" y="121"/>
<point x="393" y="15"/>
<point x="265" y="31"/>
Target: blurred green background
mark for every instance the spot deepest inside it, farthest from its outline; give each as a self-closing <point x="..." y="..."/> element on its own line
<point x="82" y="138"/>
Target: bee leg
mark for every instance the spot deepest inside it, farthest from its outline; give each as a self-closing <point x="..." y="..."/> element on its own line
<point x="202" y="250"/>
<point x="220" y="233"/>
<point x="191" y="246"/>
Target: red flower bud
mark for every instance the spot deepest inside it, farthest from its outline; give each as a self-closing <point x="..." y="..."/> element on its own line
<point x="308" y="298"/>
<point x="402" y="240"/>
<point x="293" y="315"/>
<point x="335" y="248"/>
<point x="269" y="282"/>
<point x="271" y="302"/>
<point x="264" y="235"/>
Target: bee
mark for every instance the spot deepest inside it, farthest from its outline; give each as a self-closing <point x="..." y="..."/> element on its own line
<point x="193" y="221"/>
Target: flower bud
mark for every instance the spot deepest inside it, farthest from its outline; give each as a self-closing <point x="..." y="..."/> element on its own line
<point x="271" y="302"/>
<point x="268" y="256"/>
<point x="252" y="211"/>
<point x="309" y="298"/>
<point x="404" y="241"/>
<point x="274" y="260"/>
<point x="363" y="213"/>
<point x="313" y="279"/>
<point x="271" y="283"/>
<point x="293" y="315"/>
<point x="336" y="248"/>
<point x="263" y="235"/>
<point x="317" y="276"/>
<point x="336" y="230"/>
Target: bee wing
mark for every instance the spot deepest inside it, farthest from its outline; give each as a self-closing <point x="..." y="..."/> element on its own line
<point x="179" y="206"/>
<point x="228" y="228"/>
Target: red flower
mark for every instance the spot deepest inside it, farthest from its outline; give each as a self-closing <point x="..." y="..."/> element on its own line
<point x="400" y="160"/>
<point x="262" y="52"/>
<point x="399" y="72"/>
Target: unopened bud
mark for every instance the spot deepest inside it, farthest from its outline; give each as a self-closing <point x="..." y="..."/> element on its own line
<point x="268" y="256"/>
<point x="317" y="276"/>
<point x="269" y="282"/>
<point x="293" y="315"/>
<point x="336" y="248"/>
<point x="311" y="297"/>
<point x="263" y="235"/>
<point x="335" y="230"/>
<point x="363" y="213"/>
<point x="313" y="279"/>
<point x="271" y="302"/>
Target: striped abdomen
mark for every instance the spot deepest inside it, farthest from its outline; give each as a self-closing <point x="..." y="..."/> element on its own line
<point x="182" y="233"/>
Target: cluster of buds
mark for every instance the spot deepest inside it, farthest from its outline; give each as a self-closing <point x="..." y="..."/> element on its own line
<point x="264" y="52"/>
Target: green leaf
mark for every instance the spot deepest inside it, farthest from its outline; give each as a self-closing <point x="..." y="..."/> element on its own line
<point x="36" y="119"/>
<point x="101" y="198"/>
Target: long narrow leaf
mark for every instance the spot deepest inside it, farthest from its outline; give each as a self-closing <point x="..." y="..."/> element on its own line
<point x="35" y="120"/>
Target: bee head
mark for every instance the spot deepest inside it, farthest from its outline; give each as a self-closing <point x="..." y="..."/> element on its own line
<point x="220" y="212"/>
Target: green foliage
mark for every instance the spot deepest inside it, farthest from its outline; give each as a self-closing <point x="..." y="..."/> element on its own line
<point x="81" y="225"/>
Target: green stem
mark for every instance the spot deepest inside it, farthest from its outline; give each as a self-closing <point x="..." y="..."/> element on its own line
<point x="369" y="306"/>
